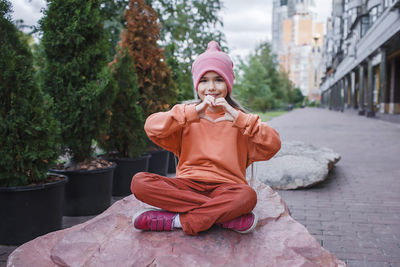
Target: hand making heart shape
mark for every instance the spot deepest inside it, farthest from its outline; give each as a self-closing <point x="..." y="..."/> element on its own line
<point x="211" y="103"/>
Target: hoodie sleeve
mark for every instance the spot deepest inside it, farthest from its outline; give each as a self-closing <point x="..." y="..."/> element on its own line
<point x="165" y="128"/>
<point x="264" y="141"/>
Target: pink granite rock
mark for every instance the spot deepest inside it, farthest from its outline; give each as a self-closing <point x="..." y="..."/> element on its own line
<point x="110" y="240"/>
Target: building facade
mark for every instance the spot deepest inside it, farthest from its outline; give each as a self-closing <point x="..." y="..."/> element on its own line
<point x="279" y="13"/>
<point x="297" y="41"/>
<point x="362" y="57"/>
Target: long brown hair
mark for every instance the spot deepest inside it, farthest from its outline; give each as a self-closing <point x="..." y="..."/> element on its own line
<point x="234" y="103"/>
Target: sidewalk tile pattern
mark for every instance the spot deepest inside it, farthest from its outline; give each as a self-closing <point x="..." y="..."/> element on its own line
<point x="355" y="213"/>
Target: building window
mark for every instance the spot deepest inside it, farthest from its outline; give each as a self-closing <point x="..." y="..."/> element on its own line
<point x="373" y="14"/>
<point x="283" y="2"/>
<point x="364" y="25"/>
<point x="315" y="78"/>
<point x="337" y="26"/>
<point x="386" y="3"/>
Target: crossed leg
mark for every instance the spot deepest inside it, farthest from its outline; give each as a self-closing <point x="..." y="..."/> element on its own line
<point x="200" y="205"/>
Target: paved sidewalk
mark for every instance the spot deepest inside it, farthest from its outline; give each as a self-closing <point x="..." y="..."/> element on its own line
<point x="355" y="213"/>
<point x="395" y="118"/>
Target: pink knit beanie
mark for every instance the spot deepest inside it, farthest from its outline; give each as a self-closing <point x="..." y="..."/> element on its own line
<point x="213" y="60"/>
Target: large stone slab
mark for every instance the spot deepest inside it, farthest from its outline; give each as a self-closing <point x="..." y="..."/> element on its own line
<point x="296" y="165"/>
<point x="110" y="240"/>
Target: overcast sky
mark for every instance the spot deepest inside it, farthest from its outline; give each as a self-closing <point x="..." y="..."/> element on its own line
<point x="246" y="23"/>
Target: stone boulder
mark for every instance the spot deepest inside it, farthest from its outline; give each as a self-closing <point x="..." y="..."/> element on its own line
<point x="110" y="240"/>
<point x="296" y="165"/>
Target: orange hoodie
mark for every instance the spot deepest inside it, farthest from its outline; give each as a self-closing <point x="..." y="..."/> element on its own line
<point x="212" y="152"/>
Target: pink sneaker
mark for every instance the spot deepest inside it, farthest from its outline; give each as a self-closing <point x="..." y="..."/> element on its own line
<point x="154" y="220"/>
<point x="242" y="224"/>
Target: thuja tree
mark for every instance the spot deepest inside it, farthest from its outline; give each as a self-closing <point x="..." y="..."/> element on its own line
<point x="28" y="143"/>
<point x="125" y="134"/>
<point x="156" y="86"/>
<point x="76" y="51"/>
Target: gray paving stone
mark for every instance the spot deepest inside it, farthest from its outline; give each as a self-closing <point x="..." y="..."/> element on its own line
<point x="357" y="207"/>
<point x="355" y="263"/>
<point x="4" y="252"/>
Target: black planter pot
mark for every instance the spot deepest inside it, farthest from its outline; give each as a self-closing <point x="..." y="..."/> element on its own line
<point x="159" y="162"/>
<point x="126" y="169"/>
<point x="171" y="163"/>
<point x="27" y="212"/>
<point x="88" y="192"/>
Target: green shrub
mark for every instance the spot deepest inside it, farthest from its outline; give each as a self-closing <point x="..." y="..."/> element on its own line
<point x="75" y="75"/>
<point x="125" y="134"/>
<point x="28" y="131"/>
<point x="296" y="97"/>
<point x="310" y="103"/>
<point x="259" y="85"/>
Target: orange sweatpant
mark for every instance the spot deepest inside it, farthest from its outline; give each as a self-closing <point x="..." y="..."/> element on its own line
<point x="199" y="204"/>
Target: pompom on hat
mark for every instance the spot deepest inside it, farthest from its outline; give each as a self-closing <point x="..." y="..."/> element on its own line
<point x="213" y="60"/>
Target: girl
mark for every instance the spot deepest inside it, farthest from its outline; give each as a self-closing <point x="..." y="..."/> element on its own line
<point x="215" y="141"/>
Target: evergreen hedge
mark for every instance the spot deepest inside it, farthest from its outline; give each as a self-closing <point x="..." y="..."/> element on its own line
<point x="28" y="132"/>
<point x="75" y="75"/>
<point x="125" y="134"/>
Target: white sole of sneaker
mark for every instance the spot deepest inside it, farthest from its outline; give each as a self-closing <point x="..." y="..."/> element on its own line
<point x="252" y="227"/>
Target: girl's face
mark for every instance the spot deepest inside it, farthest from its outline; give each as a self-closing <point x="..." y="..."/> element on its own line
<point x="212" y="84"/>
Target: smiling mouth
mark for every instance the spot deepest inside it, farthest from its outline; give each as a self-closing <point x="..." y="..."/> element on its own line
<point x="214" y="95"/>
